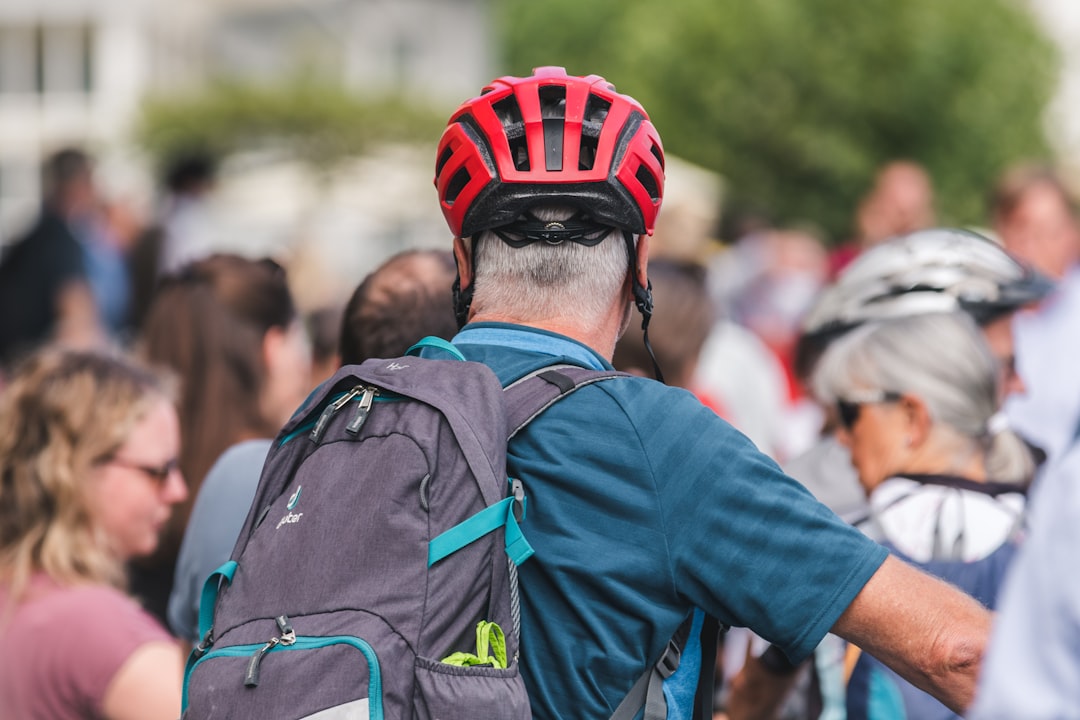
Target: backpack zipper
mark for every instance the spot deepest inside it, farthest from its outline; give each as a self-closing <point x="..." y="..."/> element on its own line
<point x="287" y="637"/>
<point x="363" y="410"/>
<point x="331" y="410"/>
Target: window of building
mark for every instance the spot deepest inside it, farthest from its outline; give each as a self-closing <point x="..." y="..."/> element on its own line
<point x="46" y="58"/>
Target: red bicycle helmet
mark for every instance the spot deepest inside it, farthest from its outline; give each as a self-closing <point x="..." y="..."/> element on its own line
<point x="550" y="138"/>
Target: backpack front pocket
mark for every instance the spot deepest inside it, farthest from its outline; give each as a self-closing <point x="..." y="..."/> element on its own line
<point x="329" y="678"/>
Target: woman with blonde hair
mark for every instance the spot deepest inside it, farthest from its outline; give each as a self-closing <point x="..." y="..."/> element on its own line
<point x="88" y="474"/>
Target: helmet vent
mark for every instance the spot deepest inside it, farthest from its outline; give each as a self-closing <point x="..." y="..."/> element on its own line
<point x="553" y="114"/>
<point x="596" y="110"/>
<point x="648" y="182"/>
<point x="443" y="159"/>
<point x="655" y="150"/>
<point x="457" y="184"/>
<point x="509" y="113"/>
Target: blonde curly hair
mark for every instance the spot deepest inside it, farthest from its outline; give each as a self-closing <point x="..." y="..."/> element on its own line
<point x="62" y="413"/>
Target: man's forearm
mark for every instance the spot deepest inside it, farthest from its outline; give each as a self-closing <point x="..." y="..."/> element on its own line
<point x="932" y="634"/>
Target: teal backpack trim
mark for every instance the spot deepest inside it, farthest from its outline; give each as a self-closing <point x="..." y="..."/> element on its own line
<point x="210" y="592"/>
<point x="437" y="343"/>
<point x="487" y="520"/>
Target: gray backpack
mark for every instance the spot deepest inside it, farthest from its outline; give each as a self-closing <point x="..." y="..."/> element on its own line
<point x="375" y="576"/>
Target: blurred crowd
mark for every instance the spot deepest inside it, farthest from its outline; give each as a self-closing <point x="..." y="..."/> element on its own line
<point x="137" y="358"/>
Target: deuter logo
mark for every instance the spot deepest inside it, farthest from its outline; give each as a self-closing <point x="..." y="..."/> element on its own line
<point x="291" y="517"/>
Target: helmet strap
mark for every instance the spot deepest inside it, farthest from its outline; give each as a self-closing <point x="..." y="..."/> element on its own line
<point x="643" y="299"/>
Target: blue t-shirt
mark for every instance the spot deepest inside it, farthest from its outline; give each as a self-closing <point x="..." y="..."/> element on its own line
<point x="644" y="504"/>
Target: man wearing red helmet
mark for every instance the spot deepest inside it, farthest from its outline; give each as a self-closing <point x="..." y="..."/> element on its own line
<point x="644" y="505"/>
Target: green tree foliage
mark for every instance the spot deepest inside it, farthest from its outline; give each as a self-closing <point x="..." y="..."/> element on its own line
<point x="315" y="121"/>
<point x="797" y="103"/>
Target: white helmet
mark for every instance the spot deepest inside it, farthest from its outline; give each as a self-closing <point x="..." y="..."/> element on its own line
<point x="934" y="270"/>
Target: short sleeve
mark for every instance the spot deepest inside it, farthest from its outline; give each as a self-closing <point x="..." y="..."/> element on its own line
<point x="751" y="544"/>
<point x="93" y="633"/>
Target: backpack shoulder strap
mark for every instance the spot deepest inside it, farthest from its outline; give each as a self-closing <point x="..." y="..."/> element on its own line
<point x="526" y="399"/>
<point x="534" y="393"/>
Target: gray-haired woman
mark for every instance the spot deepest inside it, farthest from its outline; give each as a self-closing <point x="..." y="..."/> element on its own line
<point x="916" y="398"/>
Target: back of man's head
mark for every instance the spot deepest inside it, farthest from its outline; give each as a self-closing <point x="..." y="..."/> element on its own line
<point x="406" y="298"/>
<point x="552" y="166"/>
<point x="568" y="280"/>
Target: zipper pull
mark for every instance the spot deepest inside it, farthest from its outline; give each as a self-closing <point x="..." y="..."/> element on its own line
<point x="362" y="412"/>
<point x="252" y="677"/>
<point x="288" y="635"/>
<point x="330" y="411"/>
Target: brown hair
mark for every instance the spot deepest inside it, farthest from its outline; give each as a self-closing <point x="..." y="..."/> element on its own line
<point x="207" y="322"/>
<point x="406" y="298"/>
<point x="1017" y="180"/>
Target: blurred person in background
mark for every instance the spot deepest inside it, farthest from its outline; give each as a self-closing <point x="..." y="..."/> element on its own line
<point x="323" y="326"/>
<point x="765" y="284"/>
<point x="915" y="397"/>
<point x="183" y="229"/>
<point x="46" y="292"/>
<point x="88" y="473"/>
<point x="900" y="201"/>
<point x="683" y="318"/>
<point x="401" y="301"/>
<point x="1032" y="666"/>
<point x="228" y="327"/>
<point x="189" y="232"/>
<point x="935" y="270"/>
<point x="1035" y="216"/>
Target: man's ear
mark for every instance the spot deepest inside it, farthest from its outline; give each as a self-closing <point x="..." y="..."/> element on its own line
<point x="642" y="260"/>
<point x="463" y="257"/>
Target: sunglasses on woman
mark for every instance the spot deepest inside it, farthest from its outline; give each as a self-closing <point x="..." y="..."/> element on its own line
<point x="847" y="409"/>
<point x="158" y="473"/>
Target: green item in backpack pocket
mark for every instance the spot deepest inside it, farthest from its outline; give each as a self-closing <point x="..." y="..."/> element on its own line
<point x="490" y="648"/>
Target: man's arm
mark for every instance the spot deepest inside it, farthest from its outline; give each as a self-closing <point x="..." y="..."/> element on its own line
<point x="928" y="631"/>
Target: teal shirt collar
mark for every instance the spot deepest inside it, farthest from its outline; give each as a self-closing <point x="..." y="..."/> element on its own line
<point x="530" y="339"/>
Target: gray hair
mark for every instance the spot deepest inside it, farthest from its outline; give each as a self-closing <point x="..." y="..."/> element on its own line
<point x="568" y="280"/>
<point x="942" y="358"/>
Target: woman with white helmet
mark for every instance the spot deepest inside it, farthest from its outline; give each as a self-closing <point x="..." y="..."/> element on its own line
<point x="928" y="271"/>
<point x="915" y="397"/>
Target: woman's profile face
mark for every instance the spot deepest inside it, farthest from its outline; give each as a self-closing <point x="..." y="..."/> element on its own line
<point x="132" y="492"/>
<point x="877" y="441"/>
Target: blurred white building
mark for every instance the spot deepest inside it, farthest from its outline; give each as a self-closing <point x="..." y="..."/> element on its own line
<point x="73" y="72"/>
